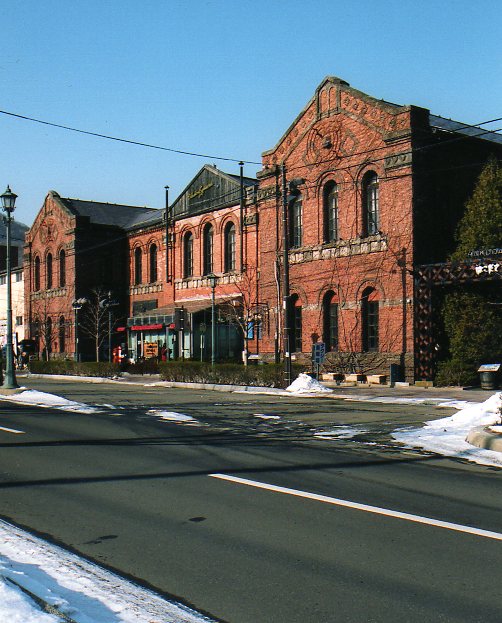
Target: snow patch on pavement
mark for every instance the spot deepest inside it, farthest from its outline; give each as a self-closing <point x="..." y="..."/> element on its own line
<point x="339" y="432"/>
<point x="447" y="435"/>
<point x="264" y="416"/>
<point x="42" y="399"/>
<point x="172" y="416"/>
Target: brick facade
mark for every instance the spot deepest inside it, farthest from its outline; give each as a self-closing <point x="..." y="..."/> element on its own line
<point x="372" y="190"/>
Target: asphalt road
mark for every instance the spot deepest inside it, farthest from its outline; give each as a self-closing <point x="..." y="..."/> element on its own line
<point x="139" y="495"/>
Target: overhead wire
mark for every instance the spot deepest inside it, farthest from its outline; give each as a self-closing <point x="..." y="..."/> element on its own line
<point x="125" y="140"/>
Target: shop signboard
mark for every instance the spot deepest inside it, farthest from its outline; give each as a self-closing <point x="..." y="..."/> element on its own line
<point x="151" y="350"/>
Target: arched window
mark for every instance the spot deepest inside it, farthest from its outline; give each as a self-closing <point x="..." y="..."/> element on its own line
<point x="229" y="240"/>
<point x="295" y="218"/>
<point x="330" y="321"/>
<point x="330" y="212"/>
<point x="296" y="324"/>
<point x="62" y="334"/>
<point x="207" y="240"/>
<point x="153" y="263"/>
<point x="369" y="319"/>
<point x="62" y="268"/>
<point x="37" y="274"/>
<point x="188" y="255"/>
<point x="138" y="265"/>
<point x="48" y="271"/>
<point x="370" y="204"/>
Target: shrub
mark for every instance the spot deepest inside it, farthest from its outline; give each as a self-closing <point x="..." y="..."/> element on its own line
<point x="456" y="373"/>
<point x="84" y="368"/>
<point x="268" y="375"/>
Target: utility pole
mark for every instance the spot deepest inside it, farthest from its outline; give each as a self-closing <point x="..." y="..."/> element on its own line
<point x="168" y="224"/>
<point x="285" y="282"/>
<point x="290" y="194"/>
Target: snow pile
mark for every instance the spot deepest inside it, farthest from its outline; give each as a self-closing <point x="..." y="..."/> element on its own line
<point x="305" y="384"/>
<point x="447" y="435"/>
<point x="41" y="399"/>
<point x="82" y="591"/>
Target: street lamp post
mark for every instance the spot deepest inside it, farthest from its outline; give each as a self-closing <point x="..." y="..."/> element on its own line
<point x="8" y="205"/>
<point x="77" y="305"/>
<point x="107" y="304"/>
<point x="213" y="279"/>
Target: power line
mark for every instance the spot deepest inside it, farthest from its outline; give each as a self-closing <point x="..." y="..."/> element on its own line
<point x="457" y="131"/>
<point x="125" y="140"/>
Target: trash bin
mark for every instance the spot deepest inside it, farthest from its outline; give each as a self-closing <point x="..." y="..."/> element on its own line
<point x="395" y="374"/>
<point x="489" y="375"/>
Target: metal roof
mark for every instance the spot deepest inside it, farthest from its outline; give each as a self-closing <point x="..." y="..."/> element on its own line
<point x="114" y="214"/>
<point x="458" y="127"/>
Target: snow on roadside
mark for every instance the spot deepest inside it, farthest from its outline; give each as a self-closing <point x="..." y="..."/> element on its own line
<point x="41" y="399"/>
<point x="447" y="435"/>
<point x="305" y="384"/>
<point x="81" y="590"/>
<point x="16" y="607"/>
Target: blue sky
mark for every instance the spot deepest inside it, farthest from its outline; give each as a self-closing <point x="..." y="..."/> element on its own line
<point x="219" y="77"/>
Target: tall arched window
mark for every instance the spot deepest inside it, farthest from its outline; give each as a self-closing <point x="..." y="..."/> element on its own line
<point x="330" y="321"/>
<point x="188" y="255"/>
<point x="207" y="240"/>
<point x="295" y="218"/>
<point x="330" y="212"/>
<point x="62" y="268"/>
<point x="62" y="334"/>
<point x="153" y="263"/>
<point x="296" y="324"/>
<point x="48" y="271"/>
<point x="138" y="265"/>
<point x="370" y="203"/>
<point x="37" y="274"/>
<point x="229" y="240"/>
<point x="369" y="319"/>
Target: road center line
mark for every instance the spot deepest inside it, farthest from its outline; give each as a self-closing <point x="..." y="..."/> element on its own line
<point x="362" y="507"/>
<point x="12" y="430"/>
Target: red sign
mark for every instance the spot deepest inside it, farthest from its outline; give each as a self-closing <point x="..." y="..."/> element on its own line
<point x="147" y="327"/>
<point x="118" y="329"/>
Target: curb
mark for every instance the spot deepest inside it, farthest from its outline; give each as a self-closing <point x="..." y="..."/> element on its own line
<point x="481" y="437"/>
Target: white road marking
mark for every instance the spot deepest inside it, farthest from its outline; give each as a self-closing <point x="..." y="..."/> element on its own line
<point x="12" y="430"/>
<point x="362" y="507"/>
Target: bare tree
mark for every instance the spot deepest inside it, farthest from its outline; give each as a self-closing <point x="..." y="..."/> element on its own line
<point x="45" y="325"/>
<point x="246" y="313"/>
<point x="94" y="319"/>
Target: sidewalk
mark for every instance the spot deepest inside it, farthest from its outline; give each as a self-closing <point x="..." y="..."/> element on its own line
<point x="361" y="391"/>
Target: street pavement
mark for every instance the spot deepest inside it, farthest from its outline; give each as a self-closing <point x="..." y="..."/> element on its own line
<point x="256" y="520"/>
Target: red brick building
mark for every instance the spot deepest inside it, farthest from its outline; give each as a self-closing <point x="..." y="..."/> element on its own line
<point x="76" y="250"/>
<point x="211" y="231"/>
<point x="380" y="188"/>
<point x="366" y="191"/>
